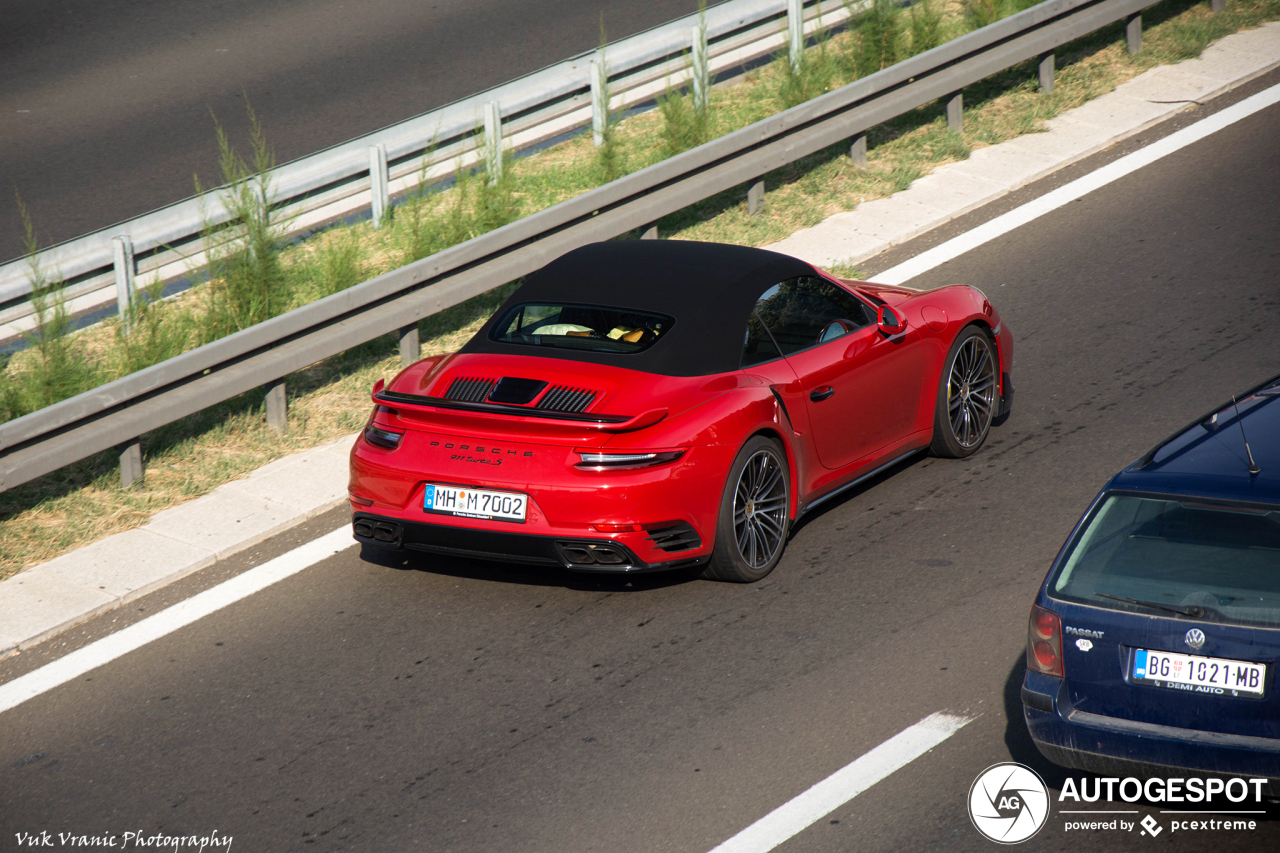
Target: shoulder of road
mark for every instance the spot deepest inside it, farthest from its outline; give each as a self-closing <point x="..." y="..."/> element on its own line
<point x="955" y="189"/>
<point x="53" y="597"/>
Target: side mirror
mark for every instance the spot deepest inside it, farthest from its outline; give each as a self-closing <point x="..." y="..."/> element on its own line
<point x="889" y="321"/>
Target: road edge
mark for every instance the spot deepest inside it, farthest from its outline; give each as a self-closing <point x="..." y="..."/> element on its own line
<point x="46" y="600"/>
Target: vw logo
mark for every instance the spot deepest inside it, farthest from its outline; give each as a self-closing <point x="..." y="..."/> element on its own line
<point x="1008" y="803"/>
<point x="1195" y="638"/>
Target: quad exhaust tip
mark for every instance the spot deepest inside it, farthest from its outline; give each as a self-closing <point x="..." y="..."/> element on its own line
<point x="378" y="532"/>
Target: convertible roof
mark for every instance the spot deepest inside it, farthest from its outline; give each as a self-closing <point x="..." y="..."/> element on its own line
<point x="709" y="288"/>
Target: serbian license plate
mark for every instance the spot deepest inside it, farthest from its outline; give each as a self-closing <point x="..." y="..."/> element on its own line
<point x="1199" y="674"/>
<point x="475" y="503"/>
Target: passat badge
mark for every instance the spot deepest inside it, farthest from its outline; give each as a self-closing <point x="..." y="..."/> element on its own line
<point x="1195" y="638"/>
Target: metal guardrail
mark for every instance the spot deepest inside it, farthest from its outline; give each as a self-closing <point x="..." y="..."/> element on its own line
<point x="117" y="413"/>
<point x="167" y="244"/>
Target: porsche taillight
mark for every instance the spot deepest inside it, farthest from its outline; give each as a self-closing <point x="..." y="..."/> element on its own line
<point x="596" y="460"/>
<point x="1044" y="642"/>
<point x="388" y="439"/>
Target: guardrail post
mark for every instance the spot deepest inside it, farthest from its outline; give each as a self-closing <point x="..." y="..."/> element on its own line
<point x="130" y="463"/>
<point x="955" y="112"/>
<point x="410" y="346"/>
<point x="277" y="407"/>
<point x="379" y="183"/>
<point x="126" y="287"/>
<point x="493" y="141"/>
<point x="858" y="149"/>
<point x="316" y="332"/>
<point x="650" y="233"/>
<point x="701" y="69"/>
<point x="1133" y="31"/>
<point x="795" y="32"/>
<point x="1046" y="72"/>
<point x="1217" y="5"/>
<point x="599" y="98"/>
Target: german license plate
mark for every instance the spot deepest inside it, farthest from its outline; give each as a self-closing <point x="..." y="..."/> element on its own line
<point x="475" y="503"/>
<point x="1199" y="674"/>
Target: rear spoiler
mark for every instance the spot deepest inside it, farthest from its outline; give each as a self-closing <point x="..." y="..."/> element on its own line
<point x="604" y="423"/>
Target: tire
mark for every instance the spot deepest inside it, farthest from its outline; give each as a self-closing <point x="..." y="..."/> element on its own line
<point x="968" y="395"/>
<point x="750" y="537"/>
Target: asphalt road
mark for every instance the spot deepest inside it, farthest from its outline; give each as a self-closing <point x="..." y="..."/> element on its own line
<point x="375" y="704"/>
<point x="106" y="107"/>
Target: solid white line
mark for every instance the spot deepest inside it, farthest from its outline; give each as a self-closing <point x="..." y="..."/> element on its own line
<point x="843" y="785"/>
<point x="1051" y="201"/>
<point x="167" y="621"/>
<point x="153" y="627"/>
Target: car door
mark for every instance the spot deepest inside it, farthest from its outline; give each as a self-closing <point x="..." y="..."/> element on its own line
<point x="861" y="387"/>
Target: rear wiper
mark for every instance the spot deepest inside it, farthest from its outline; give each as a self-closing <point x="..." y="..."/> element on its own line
<point x="1192" y="610"/>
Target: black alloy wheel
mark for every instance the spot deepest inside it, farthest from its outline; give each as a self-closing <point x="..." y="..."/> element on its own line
<point x="754" y="514"/>
<point x="967" y="395"/>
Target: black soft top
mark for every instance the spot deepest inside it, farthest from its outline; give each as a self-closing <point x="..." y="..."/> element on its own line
<point x="709" y="288"/>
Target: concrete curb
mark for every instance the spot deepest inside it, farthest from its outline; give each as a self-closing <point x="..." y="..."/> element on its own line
<point x="52" y="597"/>
<point x="55" y="596"/>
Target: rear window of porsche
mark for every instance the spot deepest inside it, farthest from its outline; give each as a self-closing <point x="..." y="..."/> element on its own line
<point x="1135" y="551"/>
<point x="596" y="328"/>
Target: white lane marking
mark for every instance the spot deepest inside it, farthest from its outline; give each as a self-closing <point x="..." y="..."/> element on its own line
<point x="1051" y="201"/>
<point x="109" y="648"/>
<point x="167" y="621"/>
<point x="845" y="784"/>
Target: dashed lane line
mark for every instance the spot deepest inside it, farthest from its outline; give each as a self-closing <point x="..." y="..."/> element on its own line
<point x="845" y="784"/>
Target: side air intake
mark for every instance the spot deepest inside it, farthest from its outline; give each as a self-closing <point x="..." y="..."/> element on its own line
<point x="678" y="537"/>
<point x="562" y="398"/>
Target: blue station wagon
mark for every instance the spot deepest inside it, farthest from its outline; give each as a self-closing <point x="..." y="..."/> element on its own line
<point x="1153" y="644"/>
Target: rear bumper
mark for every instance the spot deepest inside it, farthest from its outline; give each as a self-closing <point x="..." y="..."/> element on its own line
<point x="564" y="502"/>
<point x="570" y="552"/>
<point x="1111" y="746"/>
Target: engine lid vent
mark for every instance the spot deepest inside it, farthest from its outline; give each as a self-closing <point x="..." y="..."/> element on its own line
<point x="469" y="389"/>
<point x="562" y="398"/>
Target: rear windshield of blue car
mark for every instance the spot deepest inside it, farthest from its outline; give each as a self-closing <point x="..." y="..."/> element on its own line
<point x="596" y="328"/>
<point x="1221" y="558"/>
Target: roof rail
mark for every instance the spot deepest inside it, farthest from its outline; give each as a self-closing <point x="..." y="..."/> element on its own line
<point x="1150" y="454"/>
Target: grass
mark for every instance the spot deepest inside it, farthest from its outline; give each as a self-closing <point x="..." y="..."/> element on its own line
<point x="51" y="368"/>
<point x="84" y="501"/>
<point x="248" y="283"/>
<point x="999" y="108"/>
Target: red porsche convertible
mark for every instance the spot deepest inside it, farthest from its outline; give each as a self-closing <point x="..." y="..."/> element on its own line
<point x="649" y="405"/>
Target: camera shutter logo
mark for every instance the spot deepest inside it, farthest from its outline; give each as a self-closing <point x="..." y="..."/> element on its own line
<point x="1195" y="638"/>
<point x="1008" y="803"/>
